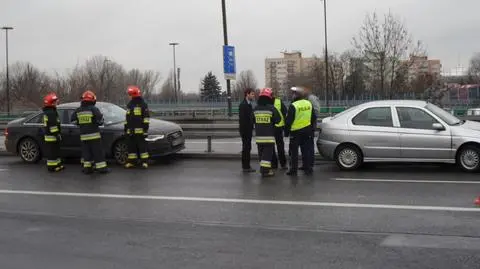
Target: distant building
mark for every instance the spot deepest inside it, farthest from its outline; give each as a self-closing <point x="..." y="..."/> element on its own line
<point x="278" y="70"/>
<point x="421" y="65"/>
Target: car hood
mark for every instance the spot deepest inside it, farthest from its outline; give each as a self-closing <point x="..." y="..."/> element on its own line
<point x="156" y="126"/>
<point x="471" y="125"/>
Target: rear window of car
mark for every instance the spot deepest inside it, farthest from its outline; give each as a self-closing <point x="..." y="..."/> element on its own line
<point x="36" y="120"/>
<point x="375" y="116"/>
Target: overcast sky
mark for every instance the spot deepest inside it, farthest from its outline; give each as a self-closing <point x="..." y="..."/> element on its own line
<point x="56" y="34"/>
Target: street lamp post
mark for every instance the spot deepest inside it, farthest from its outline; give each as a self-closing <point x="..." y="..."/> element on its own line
<point x="174" y="44"/>
<point x="6" y="29"/>
<point x="225" y="39"/>
<point x="326" y="53"/>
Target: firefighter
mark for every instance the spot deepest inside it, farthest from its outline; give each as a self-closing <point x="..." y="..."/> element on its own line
<point x="282" y="111"/>
<point x="300" y="125"/>
<point x="136" y="128"/>
<point x="52" y="132"/>
<point x="89" y="118"/>
<point x="266" y="116"/>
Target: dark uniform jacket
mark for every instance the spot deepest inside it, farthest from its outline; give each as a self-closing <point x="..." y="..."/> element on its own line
<point x="138" y="117"/>
<point x="89" y="118"/>
<point x="245" y="116"/>
<point x="266" y="116"/>
<point x="51" y="122"/>
<point x="291" y="117"/>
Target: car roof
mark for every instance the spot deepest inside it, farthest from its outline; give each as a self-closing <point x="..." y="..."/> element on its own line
<point x="395" y="102"/>
<point x="77" y="104"/>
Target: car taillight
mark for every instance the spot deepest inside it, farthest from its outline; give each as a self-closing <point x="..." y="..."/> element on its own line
<point x="5" y="132"/>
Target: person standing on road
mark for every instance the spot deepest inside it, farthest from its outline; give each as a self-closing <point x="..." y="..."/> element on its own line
<point x="52" y="133"/>
<point x="300" y="126"/>
<point x="282" y="111"/>
<point x="89" y="118"/>
<point x="136" y="128"/>
<point x="266" y="116"/>
<point x="316" y="108"/>
<point x="246" y="124"/>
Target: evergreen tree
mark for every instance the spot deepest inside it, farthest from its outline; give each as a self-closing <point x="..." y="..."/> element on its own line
<point x="210" y="89"/>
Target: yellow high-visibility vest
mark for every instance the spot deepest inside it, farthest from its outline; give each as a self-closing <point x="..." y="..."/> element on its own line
<point x="303" y="114"/>
<point x="278" y="106"/>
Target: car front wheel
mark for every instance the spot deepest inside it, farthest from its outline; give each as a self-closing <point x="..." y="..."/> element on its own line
<point x="29" y="150"/>
<point x="348" y="157"/>
<point x="120" y="152"/>
<point x="469" y="158"/>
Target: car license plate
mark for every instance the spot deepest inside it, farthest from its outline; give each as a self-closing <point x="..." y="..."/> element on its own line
<point x="177" y="142"/>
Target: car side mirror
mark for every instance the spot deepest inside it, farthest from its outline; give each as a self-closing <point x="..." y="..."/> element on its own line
<point x="438" y="127"/>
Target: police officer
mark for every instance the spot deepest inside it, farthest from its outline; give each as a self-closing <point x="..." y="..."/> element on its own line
<point x="266" y="116"/>
<point x="89" y="118"/>
<point x="300" y="125"/>
<point x="52" y="133"/>
<point x="282" y="111"/>
<point x="136" y="128"/>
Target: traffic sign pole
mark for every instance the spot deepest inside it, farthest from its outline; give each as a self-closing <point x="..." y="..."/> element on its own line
<point x="225" y="38"/>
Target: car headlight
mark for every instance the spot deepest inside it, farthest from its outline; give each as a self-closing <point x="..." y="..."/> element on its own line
<point x="152" y="138"/>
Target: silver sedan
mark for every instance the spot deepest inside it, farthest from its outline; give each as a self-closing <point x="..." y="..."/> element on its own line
<point x="399" y="131"/>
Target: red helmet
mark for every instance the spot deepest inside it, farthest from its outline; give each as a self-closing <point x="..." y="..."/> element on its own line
<point x="89" y="96"/>
<point x="266" y="92"/>
<point x="50" y="99"/>
<point x="134" y="91"/>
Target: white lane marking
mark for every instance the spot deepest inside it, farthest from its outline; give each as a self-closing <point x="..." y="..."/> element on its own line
<point x="432" y="241"/>
<point x="240" y="201"/>
<point x="406" y="181"/>
<point x="3" y="170"/>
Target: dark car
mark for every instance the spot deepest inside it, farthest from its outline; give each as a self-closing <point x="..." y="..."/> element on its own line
<point x="24" y="136"/>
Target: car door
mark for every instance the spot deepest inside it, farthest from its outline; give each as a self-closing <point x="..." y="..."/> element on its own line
<point x="373" y="130"/>
<point x="419" y="140"/>
<point x="70" y="133"/>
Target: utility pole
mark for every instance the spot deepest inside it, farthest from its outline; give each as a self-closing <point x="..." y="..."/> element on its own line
<point x="6" y="29"/>
<point x="225" y="39"/>
<point x="326" y="53"/>
<point x="174" y="44"/>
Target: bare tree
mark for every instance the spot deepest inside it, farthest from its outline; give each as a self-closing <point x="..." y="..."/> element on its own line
<point x="474" y="68"/>
<point x="383" y="44"/>
<point x="146" y="80"/>
<point x="167" y="92"/>
<point x="246" y="80"/>
<point x="28" y="85"/>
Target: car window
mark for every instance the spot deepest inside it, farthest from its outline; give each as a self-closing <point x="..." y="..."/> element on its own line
<point x="376" y="116"/>
<point x="36" y="120"/>
<point x="415" y="118"/>
<point x="66" y="116"/>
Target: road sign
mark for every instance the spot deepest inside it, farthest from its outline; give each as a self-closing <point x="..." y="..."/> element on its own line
<point x="229" y="68"/>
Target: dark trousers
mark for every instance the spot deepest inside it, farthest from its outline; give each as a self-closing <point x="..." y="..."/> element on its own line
<point x="280" y="149"/>
<point x="265" y="154"/>
<point x="303" y="140"/>
<point x="93" y="153"/>
<point x="246" y="149"/>
<point x="52" y="153"/>
<point x="137" y="148"/>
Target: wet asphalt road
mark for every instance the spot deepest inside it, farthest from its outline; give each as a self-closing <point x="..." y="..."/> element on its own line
<point x="207" y="214"/>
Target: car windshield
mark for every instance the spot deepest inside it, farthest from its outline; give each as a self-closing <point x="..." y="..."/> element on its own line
<point x="343" y="112"/>
<point x="112" y="113"/>
<point x="444" y="115"/>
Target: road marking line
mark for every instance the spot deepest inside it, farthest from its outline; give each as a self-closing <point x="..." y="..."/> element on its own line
<point x="240" y="201"/>
<point x="432" y="241"/>
<point x="3" y="170"/>
<point x="406" y="181"/>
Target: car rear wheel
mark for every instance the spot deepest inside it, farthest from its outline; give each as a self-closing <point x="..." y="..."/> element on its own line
<point x="29" y="150"/>
<point x="348" y="157"/>
<point x="469" y="158"/>
<point x="120" y="152"/>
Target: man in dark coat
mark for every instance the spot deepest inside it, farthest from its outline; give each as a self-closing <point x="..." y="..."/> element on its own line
<point x="246" y="123"/>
